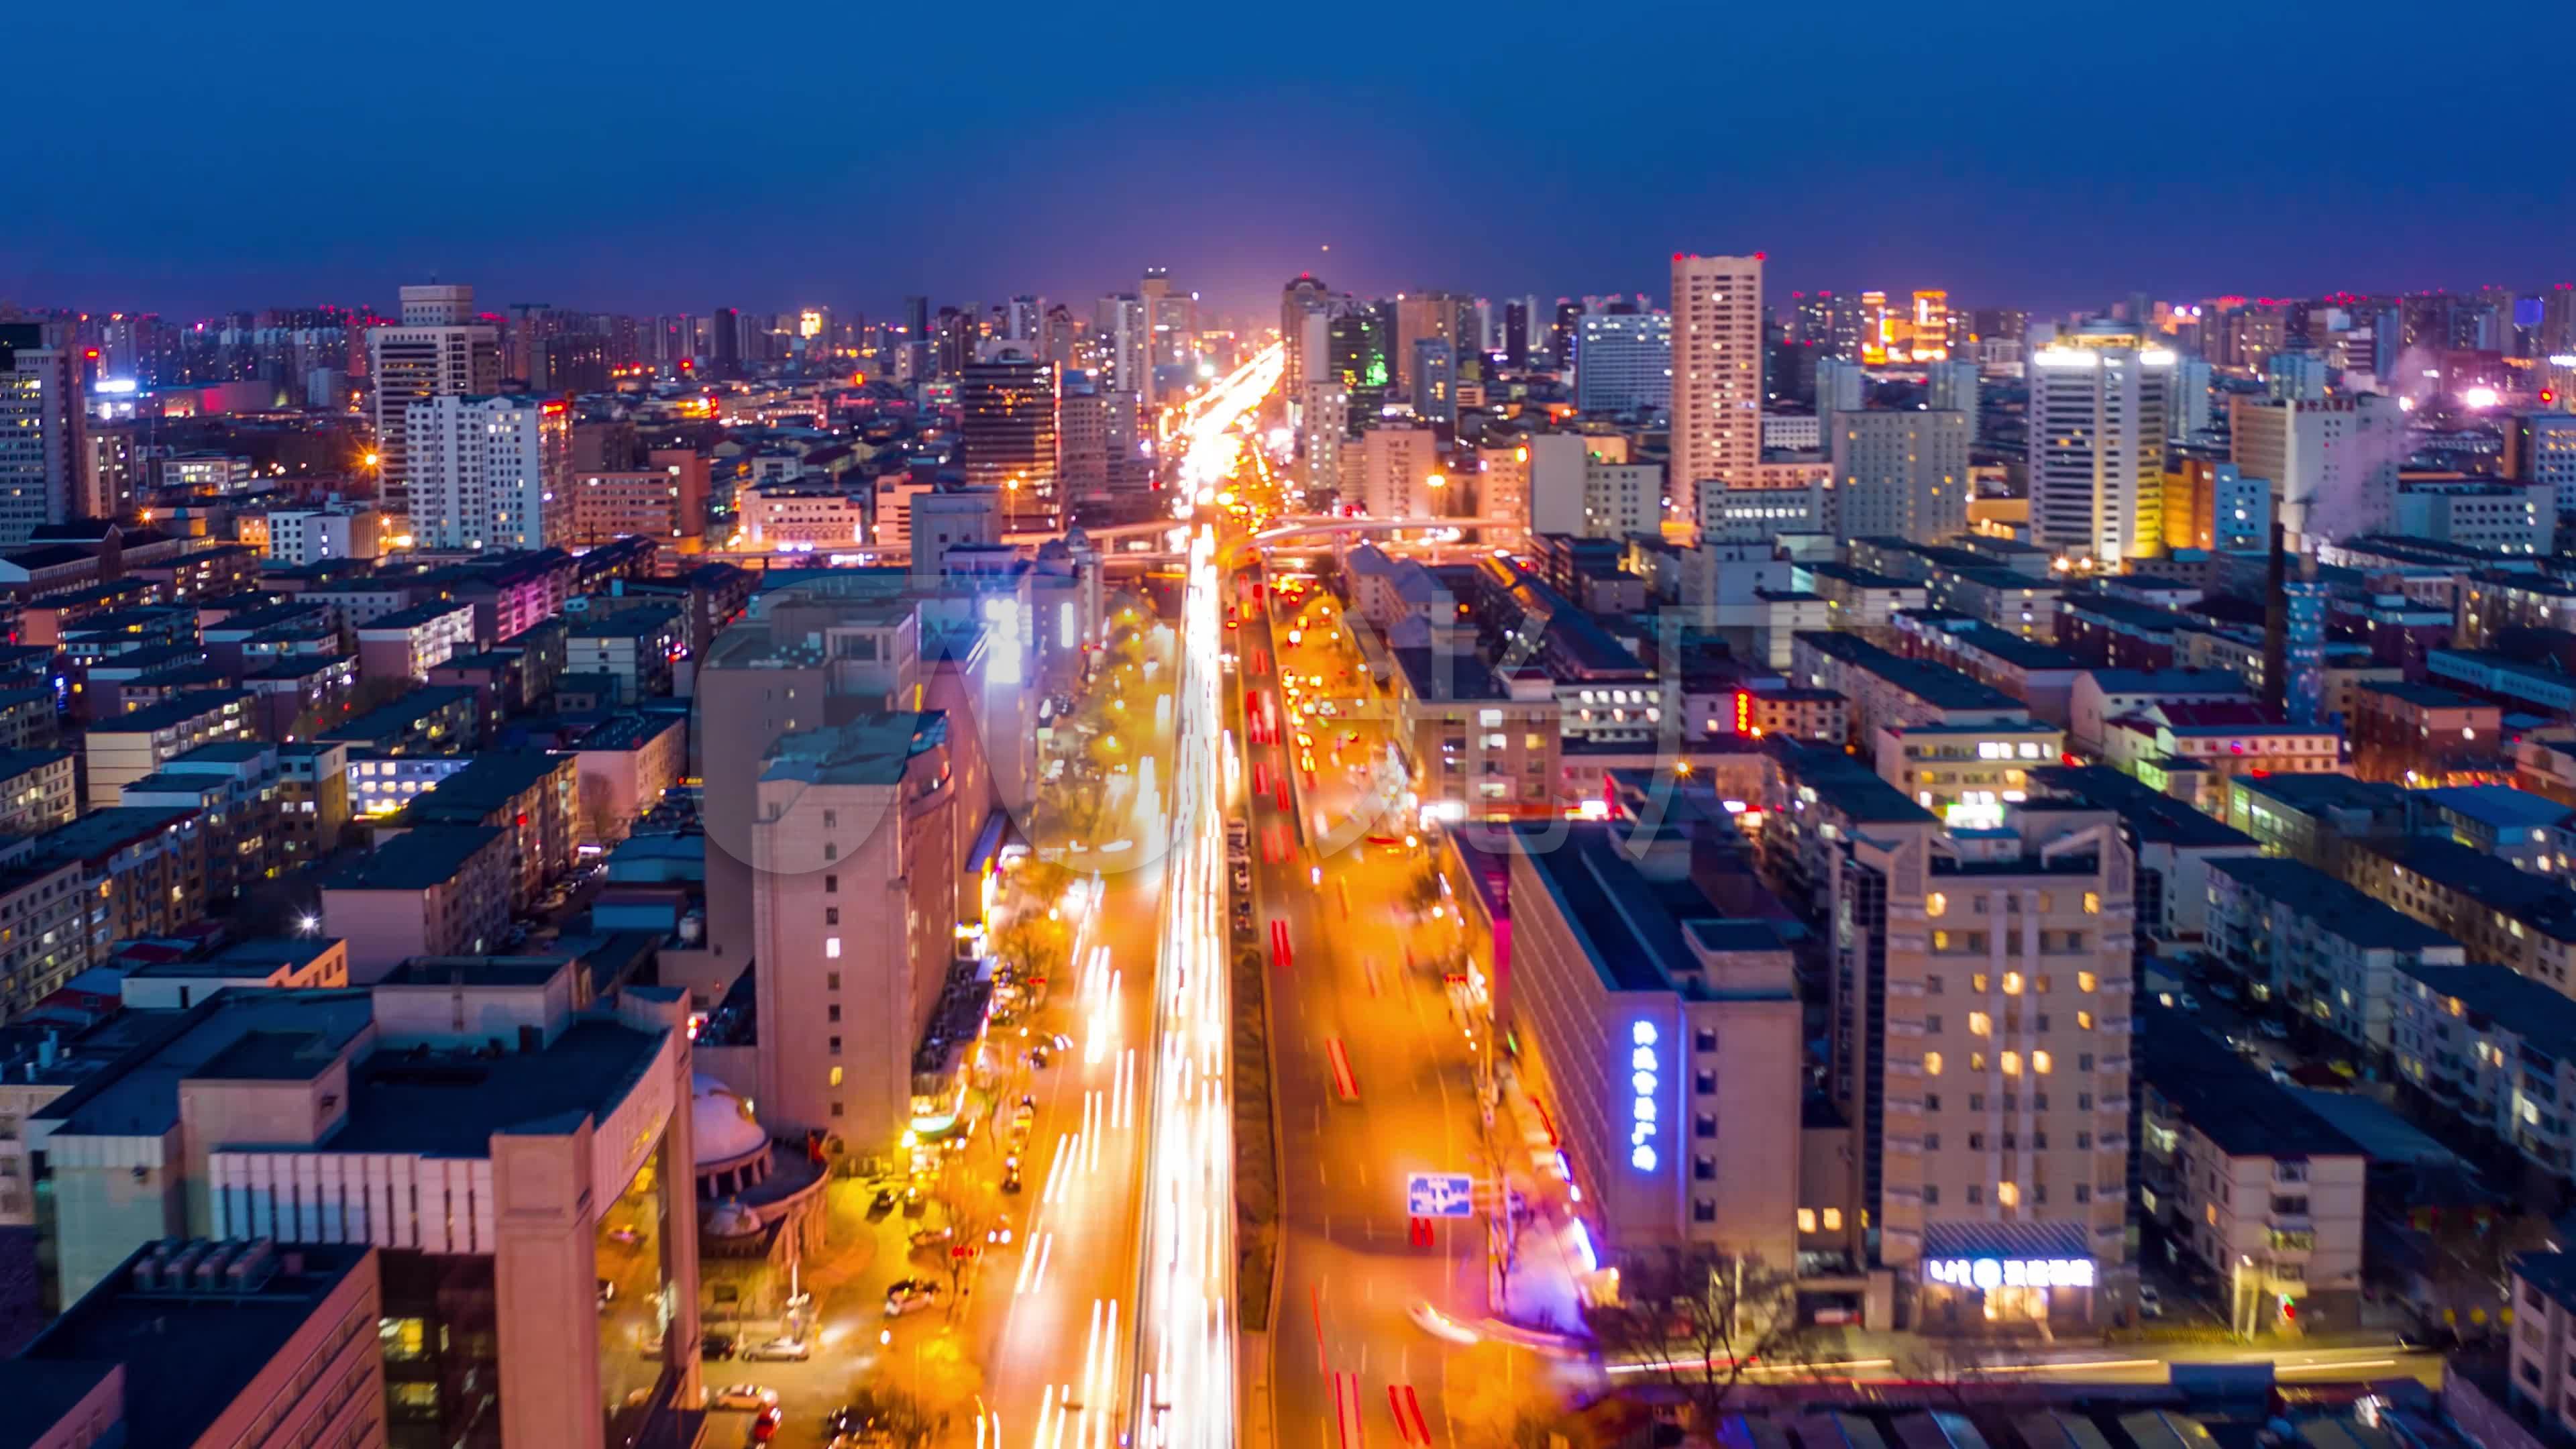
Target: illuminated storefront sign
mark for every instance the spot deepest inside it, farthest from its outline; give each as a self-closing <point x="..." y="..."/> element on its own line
<point x="2010" y="1272"/>
<point x="1644" y="1076"/>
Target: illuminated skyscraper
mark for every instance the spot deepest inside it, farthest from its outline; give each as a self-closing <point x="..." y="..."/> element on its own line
<point x="42" y="454"/>
<point x="2100" y="404"/>
<point x="1717" y="374"/>
<point x="1007" y="434"/>
<point x="1627" y="363"/>
<point x="1300" y="297"/>
<point x="1358" y="345"/>
<point x="438" y="351"/>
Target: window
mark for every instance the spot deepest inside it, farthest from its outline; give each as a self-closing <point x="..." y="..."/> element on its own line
<point x="2084" y="1141"/>
<point x="2083" y="1192"/>
<point x="2008" y="1193"/>
<point x="1977" y="983"/>
<point x="831" y="851"/>
<point x="2041" y="1063"/>
<point x="1931" y="1101"/>
<point x="2087" y="981"/>
<point x="1976" y="1194"/>
<point x="831" y="915"/>
<point x="836" y="1109"/>
<point x="835" y="1079"/>
<point x="1833" y="1217"/>
<point x="1932" y="1022"/>
<point x="1704" y="1081"/>
<point x="832" y="1012"/>
<point x="1704" y="1040"/>
<point x="831" y="980"/>
<point x="1806" y="1220"/>
<point x="1704" y="1169"/>
<point x="2083" y="1021"/>
<point x="1703" y="1210"/>
<point x="1980" y="1024"/>
<point x="831" y="948"/>
<point x="1976" y="1061"/>
<point x="1936" y="905"/>
<point x="2012" y="983"/>
<point x="831" y="820"/>
<point x="831" y="885"/>
<point x="2084" y="1061"/>
<point x="2012" y="1064"/>
<point x="1976" y="1101"/>
<point x="1931" y="1195"/>
<point x="835" y="1046"/>
<point x="1976" y="1142"/>
<point x="1704" y="1127"/>
<point x="1931" y="985"/>
<point x="2092" y="904"/>
<point x="1931" y="1064"/>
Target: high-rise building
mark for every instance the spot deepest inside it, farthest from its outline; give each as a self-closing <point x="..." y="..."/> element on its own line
<point x="490" y="472"/>
<point x="1516" y="334"/>
<point x="1007" y="431"/>
<point x="725" y="355"/>
<point x="2191" y="411"/>
<point x="1174" y="316"/>
<point x="1426" y="314"/>
<point x="1841" y="386"/>
<point x="1082" y="438"/>
<point x="1357" y="342"/>
<point x="2333" y="464"/>
<point x="2100" y="404"/>
<point x="1126" y="333"/>
<point x="1435" y="380"/>
<point x="1301" y="296"/>
<point x="44" y="458"/>
<point x="1901" y="473"/>
<point x="1627" y="363"/>
<point x="2541" y="448"/>
<point x="438" y="351"/>
<point x="1324" y="431"/>
<point x="2295" y="375"/>
<point x="1717" y="374"/>
<point x="1953" y="386"/>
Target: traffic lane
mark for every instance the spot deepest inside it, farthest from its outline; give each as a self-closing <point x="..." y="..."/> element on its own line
<point x="1352" y="1263"/>
<point x="1081" y="1205"/>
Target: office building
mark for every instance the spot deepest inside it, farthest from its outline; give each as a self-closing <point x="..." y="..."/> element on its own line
<point x="2100" y="404"/>
<point x="204" y="1345"/>
<point x="503" y="1134"/>
<point x="1435" y="381"/>
<point x="490" y="472"/>
<point x="1301" y="298"/>
<point x="438" y="351"/>
<point x="1717" y="399"/>
<point x="1659" y="1032"/>
<point x="1902" y="474"/>
<point x="1357" y="345"/>
<point x="2333" y="464"/>
<point x="1007" y="434"/>
<point x="2214" y="505"/>
<point x="44" y="456"/>
<point x="1082" y="438"/>
<point x="2505" y="518"/>
<point x="1955" y="387"/>
<point x="1421" y="315"/>
<point x="1401" y="467"/>
<point x="1627" y="364"/>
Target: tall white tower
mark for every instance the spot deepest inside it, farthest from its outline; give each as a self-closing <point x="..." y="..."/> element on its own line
<point x="2100" y="408"/>
<point x="1717" y="374"/>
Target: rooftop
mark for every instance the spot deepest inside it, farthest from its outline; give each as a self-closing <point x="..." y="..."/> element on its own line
<point x="2338" y="907"/>
<point x="2229" y="1100"/>
<point x="179" y="709"/>
<point x="2157" y="818"/>
<point x="187" y="1356"/>
<point x="102" y="833"/>
<point x="415" y="860"/>
<point x="2534" y="1012"/>
<point x="14" y="763"/>
<point x="254" y="959"/>
<point x="629" y="732"/>
<point x="1844" y="782"/>
<point x="2167" y="682"/>
<point x="2500" y="806"/>
<point x="1448" y="676"/>
<point x="415" y="616"/>
<point x="1636" y="927"/>
<point x="492" y="780"/>
<point x="626" y="623"/>
<point x="139" y="1096"/>
<point x="1935" y="684"/>
<point x="871" y="750"/>
<point x="402" y="715"/>
<point x="2539" y="903"/>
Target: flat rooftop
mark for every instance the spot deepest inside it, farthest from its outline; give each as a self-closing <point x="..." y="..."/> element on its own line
<point x="187" y="1356"/>
<point x="1636" y="929"/>
<point x="2339" y="907"/>
<point x="2228" y="1099"/>
<point x="1935" y="684"/>
<point x="415" y="860"/>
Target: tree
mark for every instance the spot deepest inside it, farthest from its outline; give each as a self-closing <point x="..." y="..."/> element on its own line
<point x="1956" y="1368"/>
<point x="1710" y="1320"/>
<point x="1498" y="1401"/>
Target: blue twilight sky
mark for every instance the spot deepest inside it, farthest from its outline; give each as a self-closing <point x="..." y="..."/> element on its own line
<point x="186" y="157"/>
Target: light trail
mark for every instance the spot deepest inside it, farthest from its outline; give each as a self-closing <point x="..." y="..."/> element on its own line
<point x="1181" y="1380"/>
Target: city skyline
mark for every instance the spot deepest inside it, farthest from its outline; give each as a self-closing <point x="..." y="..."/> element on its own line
<point x="917" y="180"/>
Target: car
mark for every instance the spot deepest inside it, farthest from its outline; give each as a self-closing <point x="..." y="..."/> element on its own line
<point x="2276" y="1030"/>
<point x="764" y="1425"/>
<point x="914" y="1202"/>
<point x="2151" y="1303"/>
<point x="1243" y="877"/>
<point x="932" y="1237"/>
<point x="1011" y="1180"/>
<point x="715" y="1347"/>
<point x="1242" y="918"/>
<point x="1038" y="1057"/>
<point x="2187" y="1001"/>
<point x="905" y="1295"/>
<point x="1063" y="1042"/>
<point x="742" y="1396"/>
<point x="779" y="1350"/>
<point x="883" y="1202"/>
<point x="1438" y="1324"/>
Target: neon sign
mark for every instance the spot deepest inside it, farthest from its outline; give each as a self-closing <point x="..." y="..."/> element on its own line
<point x="1644" y="1076"/>
<point x="1983" y="1273"/>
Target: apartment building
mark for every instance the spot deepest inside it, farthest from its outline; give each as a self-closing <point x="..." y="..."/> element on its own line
<point x="1967" y="774"/>
<point x="2307" y="939"/>
<point x="2495" y="1050"/>
<point x="2500" y="914"/>
<point x="1890" y="690"/>
<point x="1483" y="746"/>
<point x="2268" y="1195"/>
<point x="408" y="643"/>
<point x="530" y="796"/>
<point x="2414" y="734"/>
<point x="440" y="890"/>
<point x="37" y="790"/>
<point x="130" y="746"/>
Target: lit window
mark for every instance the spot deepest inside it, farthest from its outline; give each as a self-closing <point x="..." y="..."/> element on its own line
<point x="1980" y="1024"/>
<point x="836" y="1076"/>
<point x="831" y="948"/>
<point x="1977" y="982"/>
<point x="2012" y="1064"/>
<point x="2040" y="1063"/>
<point x="1936" y="904"/>
<point x="1833" y="1220"/>
<point x="2009" y="1194"/>
<point x="1940" y="940"/>
<point x="2087" y="981"/>
<point x="2012" y="983"/>
<point x="1931" y="1064"/>
<point x="2083" y="1021"/>
<point x="1806" y="1220"/>
<point x="2092" y="904"/>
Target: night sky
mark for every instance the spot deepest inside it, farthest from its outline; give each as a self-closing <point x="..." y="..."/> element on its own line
<point x="192" y="157"/>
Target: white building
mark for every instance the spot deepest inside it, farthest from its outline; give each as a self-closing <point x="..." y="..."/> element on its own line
<point x="795" y="516"/>
<point x="2507" y="517"/>
<point x="298" y="536"/>
<point x="1902" y="474"/>
<point x="1796" y="432"/>
<point x="486" y="471"/>
<point x="2541" y="448"/>
<point x="1624" y="363"/>
<point x="1620" y="499"/>
<point x="438" y="351"/>
<point x="1717" y="373"/>
<point x="2099" y="407"/>
<point x="2333" y="464"/>
<point x="1399" y="464"/>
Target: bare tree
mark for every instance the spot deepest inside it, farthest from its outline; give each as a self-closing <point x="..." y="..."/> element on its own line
<point x="1956" y="1370"/>
<point x="1710" y="1320"/>
<point x="1499" y="1398"/>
